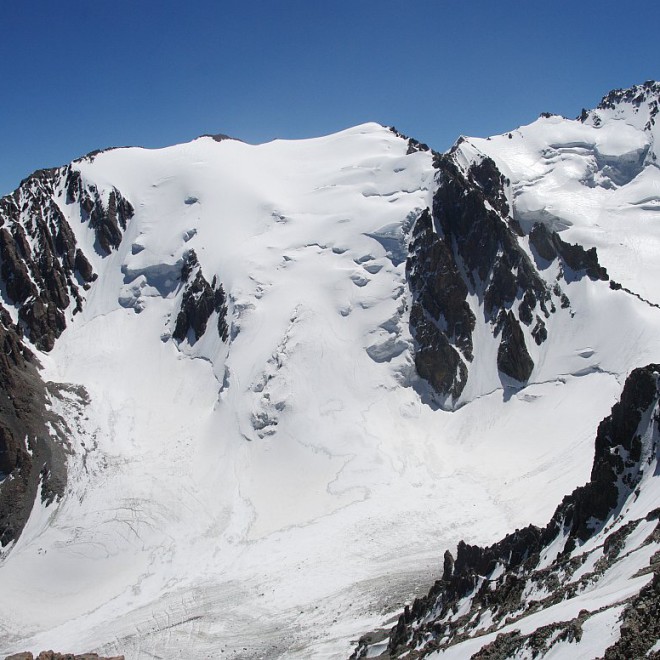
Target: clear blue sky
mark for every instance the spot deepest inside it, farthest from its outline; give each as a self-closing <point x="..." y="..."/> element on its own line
<point x="86" y="74"/>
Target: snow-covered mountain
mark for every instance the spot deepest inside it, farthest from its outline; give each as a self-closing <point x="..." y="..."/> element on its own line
<point x="251" y="393"/>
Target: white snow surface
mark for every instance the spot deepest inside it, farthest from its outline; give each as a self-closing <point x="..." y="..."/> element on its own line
<point x="280" y="494"/>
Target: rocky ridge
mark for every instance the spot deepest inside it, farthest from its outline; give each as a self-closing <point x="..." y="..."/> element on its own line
<point x="591" y="535"/>
<point x="644" y="98"/>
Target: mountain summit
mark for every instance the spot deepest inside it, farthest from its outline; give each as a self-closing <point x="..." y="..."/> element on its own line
<point x="252" y="392"/>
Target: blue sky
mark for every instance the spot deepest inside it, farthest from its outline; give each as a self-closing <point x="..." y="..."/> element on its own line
<point x="86" y="74"/>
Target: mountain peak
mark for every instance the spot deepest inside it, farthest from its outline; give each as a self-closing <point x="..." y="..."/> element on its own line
<point x="637" y="95"/>
<point x="638" y="105"/>
<point x="219" y="137"/>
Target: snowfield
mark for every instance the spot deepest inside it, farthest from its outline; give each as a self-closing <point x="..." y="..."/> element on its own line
<point x="279" y="494"/>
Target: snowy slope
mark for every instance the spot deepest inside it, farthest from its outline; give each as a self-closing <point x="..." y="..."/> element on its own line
<point x="277" y="492"/>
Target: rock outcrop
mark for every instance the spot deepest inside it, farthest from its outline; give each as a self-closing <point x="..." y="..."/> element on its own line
<point x="413" y="144"/>
<point x="639" y="96"/>
<point x="43" y="269"/>
<point x="200" y="299"/>
<point x="107" y="220"/>
<point x="32" y="453"/>
<point x="512" y="356"/>
<point x="439" y="301"/>
<point x="548" y="246"/>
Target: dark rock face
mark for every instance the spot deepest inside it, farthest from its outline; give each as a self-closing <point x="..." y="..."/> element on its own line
<point x="83" y="267"/>
<point x="618" y="466"/>
<point x="539" y="331"/>
<point x="28" y="454"/>
<point x="617" y="469"/>
<point x="512" y="356"/>
<point x="470" y="245"/>
<point x="200" y="300"/>
<point x="108" y="221"/>
<point x="37" y="266"/>
<point x="439" y="301"/>
<point x="549" y="246"/>
<point x="436" y="360"/>
<point x="43" y="270"/>
<point x="437" y="284"/>
<point x="474" y="214"/>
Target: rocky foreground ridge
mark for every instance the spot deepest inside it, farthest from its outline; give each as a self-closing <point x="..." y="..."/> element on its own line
<point x="603" y="529"/>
